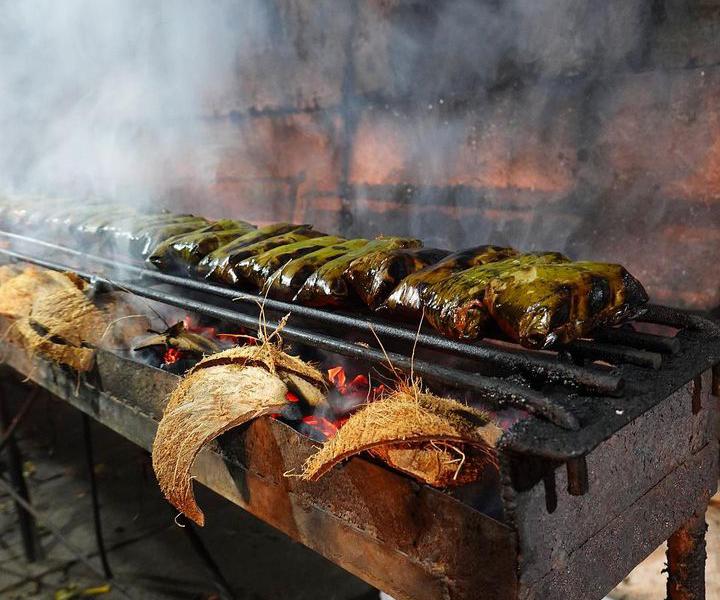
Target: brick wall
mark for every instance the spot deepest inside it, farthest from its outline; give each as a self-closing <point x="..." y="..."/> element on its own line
<point x="588" y="127"/>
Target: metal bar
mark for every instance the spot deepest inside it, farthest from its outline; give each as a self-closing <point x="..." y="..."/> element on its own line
<point x="686" y="556"/>
<point x="615" y="354"/>
<point x="97" y="521"/>
<point x="626" y="336"/>
<point x="664" y="315"/>
<point x="18" y="418"/>
<point x="28" y="530"/>
<point x="527" y="362"/>
<point x="499" y="392"/>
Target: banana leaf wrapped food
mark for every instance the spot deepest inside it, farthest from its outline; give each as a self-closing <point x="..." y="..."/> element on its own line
<point x="117" y="235"/>
<point x="185" y="252"/>
<point x="455" y="306"/>
<point x="87" y="229"/>
<point x="329" y="286"/>
<point x="259" y="268"/>
<point x="545" y="304"/>
<point x="407" y="299"/>
<point x="153" y="236"/>
<point x="219" y="265"/>
<point x="288" y="279"/>
<point x="374" y="276"/>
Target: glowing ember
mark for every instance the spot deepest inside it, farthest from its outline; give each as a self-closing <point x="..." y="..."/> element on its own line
<point x="171" y="356"/>
<point x="337" y="377"/>
<point x="290" y="397"/>
<point x="327" y="428"/>
<point x="358" y="385"/>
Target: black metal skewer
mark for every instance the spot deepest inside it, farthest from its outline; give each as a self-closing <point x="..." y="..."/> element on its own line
<point x="527" y="362"/>
<point x="496" y="391"/>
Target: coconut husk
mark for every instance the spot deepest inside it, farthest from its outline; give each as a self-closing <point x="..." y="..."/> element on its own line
<point x="64" y="325"/>
<point x="18" y="293"/>
<point x="221" y="392"/>
<point x="435" y="440"/>
<point x="300" y="377"/>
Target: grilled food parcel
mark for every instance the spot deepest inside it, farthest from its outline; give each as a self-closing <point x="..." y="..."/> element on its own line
<point x="219" y="265"/>
<point x="536" y="299"/>
<point x="329" y="285"/>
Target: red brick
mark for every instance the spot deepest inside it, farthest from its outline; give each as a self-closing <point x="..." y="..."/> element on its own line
<point x="500" y="147"/>
<point x="661" y="132"/>
<point x="297" y="61"/>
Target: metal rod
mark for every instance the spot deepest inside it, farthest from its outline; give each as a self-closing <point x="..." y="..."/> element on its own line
<point x="499" y="392"/>
<point x="615" y="354"/>
<point x="28" y="530"/>
<point x="97" y="521"/>
<point x="527" y="362"/>
<point x="637" y="339"/>
<point x="664" y="315"/>
<point x="18" y="418"/>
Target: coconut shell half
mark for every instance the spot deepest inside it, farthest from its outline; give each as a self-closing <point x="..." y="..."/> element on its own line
<point x="221" y="392"/>
<point x="435" y="440"/>
<point x="64" y="325"/>
<point x="18" y="292"/>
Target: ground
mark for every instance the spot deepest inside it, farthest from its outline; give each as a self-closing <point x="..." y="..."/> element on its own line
<point x="152" y="557"/>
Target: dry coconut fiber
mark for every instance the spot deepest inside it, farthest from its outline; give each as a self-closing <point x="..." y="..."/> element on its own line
<point x="221" y="392"/>
<point x="435" y="440"/>
<point x="17" y="293"/>
<point x="64" y="325"/>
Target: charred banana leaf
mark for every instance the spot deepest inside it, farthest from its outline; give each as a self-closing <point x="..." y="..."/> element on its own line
<point x="287" y="280"/>
<point x="117" y="235"/>
<point x="185" y="252"/>
<point x="542" y="305"/>
<point x="258" y="269"/>
<point x="218" y="265"/>
<point x="146" y="239"/>
<point x="374" y="276"/>
<point x="455" y="306"/>
<point x="155" y="235"/>
<point x="407" y="299"/>
<point x="328" y="286"/>
<point x="88" y="229"/>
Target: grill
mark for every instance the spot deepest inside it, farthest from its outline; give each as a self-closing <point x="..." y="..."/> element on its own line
<point x="596" y="407"/>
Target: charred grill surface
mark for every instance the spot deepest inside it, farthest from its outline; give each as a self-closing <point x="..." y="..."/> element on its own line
<point x="579" y="401"/>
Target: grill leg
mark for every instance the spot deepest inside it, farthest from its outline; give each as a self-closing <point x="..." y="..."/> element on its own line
<point x="28" y="531"/>
<point x="97" y="520"/>
<point x="686" y="561"/>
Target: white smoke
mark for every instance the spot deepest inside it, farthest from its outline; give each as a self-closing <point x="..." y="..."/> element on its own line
<point x="109" y="98"/>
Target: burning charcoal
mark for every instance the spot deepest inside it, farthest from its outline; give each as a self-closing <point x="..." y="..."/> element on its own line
<point x="374" y="276"/>
<point x="546" y="304"/>
<point x="287" y="281"/>
<point x="455" y="306"/>
<point x="183" y="254"/>
<point x="258" y="269"/>
<point x="218" y="394"/>
<point x="219" y="265"/>
<point x="328" y="285"/>
<point x="435" y="440"/>
<point x="407" y="300"/>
